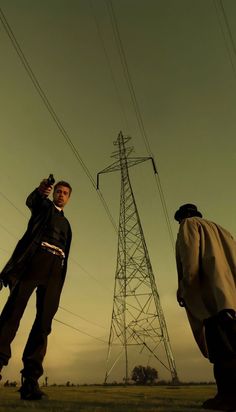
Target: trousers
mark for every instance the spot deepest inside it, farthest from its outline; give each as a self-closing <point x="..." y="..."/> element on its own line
<point x="220" y="331"/>
<point x="43" y="273"/>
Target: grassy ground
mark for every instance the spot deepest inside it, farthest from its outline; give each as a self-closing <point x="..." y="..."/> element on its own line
<point x="110" y="399"/>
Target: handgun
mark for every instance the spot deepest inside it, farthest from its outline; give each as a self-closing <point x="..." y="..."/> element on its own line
<point x="50" y="180"/>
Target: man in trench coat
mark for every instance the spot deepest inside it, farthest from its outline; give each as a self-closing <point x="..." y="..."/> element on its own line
<point x="206" y="266"/>
<point x="39" y="262"/>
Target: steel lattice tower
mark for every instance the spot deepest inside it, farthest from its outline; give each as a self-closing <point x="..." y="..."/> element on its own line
<point x="137" y="316"/>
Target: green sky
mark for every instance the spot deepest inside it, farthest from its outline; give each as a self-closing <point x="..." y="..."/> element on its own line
<point x="182" y="66"/>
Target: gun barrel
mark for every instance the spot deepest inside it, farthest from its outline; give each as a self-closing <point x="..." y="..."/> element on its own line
<point x="51" y="180"/>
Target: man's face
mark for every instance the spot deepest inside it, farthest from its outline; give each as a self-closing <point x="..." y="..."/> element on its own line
<point x="61" y="196"/>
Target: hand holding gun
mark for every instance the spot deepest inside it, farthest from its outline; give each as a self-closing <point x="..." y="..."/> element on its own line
<point x="46" y="186"/>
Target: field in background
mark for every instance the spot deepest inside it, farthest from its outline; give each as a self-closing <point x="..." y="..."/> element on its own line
<point x="111" y="399"/>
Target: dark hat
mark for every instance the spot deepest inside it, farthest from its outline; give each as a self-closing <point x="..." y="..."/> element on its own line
<point x="187" y="210"/>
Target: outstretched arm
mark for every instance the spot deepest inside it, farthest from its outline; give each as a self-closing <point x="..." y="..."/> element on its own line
<point x="38" y="196"/>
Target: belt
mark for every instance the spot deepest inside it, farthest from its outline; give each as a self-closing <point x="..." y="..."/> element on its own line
<point x="53" y="251"/>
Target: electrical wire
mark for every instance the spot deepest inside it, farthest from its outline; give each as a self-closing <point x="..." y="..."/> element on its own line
<point x="127" y="75"/>
<point x="52" y="112"/>
<point x="80" y="317"/>
<point x="7" y="231"/>
<point x="228" y="26"/>
<point x="120" y="103"/>
<point x="77" y="329"/>
<point x="61" y="127"/>
<point x="80" y="331"/>
<point x="71" y="259"/>
<point x="13" y="205"/>
<point x="91" y="276"/>
<point x="64" y="133"/>
<point x="135" y="103"/>
<point x="219" y="7"/>
<point x="68" y="311"/>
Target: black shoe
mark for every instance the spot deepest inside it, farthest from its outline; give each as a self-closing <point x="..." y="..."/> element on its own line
<point x="221" y="403"/>
<point x="30" y="390"/>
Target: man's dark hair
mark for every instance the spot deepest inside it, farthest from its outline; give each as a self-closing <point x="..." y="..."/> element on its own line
<point x="63" y="183"/>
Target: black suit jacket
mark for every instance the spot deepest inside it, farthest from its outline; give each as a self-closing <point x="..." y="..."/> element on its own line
<point x="41" y="209"/>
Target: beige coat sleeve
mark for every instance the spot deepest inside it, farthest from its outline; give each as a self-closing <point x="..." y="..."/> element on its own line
<point x="188" y="268"/>
<point x="187" y="252"/>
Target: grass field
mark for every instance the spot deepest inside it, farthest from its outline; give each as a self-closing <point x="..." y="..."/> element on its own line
<point x="110" y="399"/>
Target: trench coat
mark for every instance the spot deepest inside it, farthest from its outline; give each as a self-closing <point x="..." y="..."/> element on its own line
<point x="206" y="266"/>
<point x="41" y="209"/>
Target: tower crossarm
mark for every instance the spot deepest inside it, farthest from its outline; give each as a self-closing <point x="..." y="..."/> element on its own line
<point x="124" y="153"/>
<point x="131" y="161"/>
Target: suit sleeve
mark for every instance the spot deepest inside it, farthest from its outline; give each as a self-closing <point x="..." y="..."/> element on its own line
<point x="35" y="201"/>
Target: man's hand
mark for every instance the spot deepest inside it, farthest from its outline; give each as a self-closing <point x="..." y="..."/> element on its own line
<point x="45" y="189"/>
<point x="180" y="299"/>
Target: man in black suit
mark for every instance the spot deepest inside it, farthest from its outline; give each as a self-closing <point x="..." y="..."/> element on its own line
<point x="39" y="262"/>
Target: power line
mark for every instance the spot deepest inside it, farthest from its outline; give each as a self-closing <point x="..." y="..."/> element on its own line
<point x="68" y="311"/>
<point x="127" y="75"/>
<point x="131" y="88"/>
<point x="133" y="97"/>
<point x="80" y="331"/>
<point x="7" y="251"/>
<point x="55" y="118"/>
<point x="109" y="63"/>
<point x="61" y="127"/>
<point x="228" y="26"/>
<point x="134" y="100"/>
<point x="77" y="329"/>
<point x="71" y="259"/>
<point x="12" y="204"/>
<point x="89" y="274"/>
<point x="219" y="7"/>
<point x="51" y="111"/>
<point x="60" y="307"/>
<point x="7" y="231"/>
<point x="80" y="317"/>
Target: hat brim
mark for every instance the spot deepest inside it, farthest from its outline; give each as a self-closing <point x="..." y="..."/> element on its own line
<point x="180" y="214"/>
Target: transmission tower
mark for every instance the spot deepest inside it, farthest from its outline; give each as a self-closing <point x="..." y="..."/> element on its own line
<point x="137" y="316"/>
